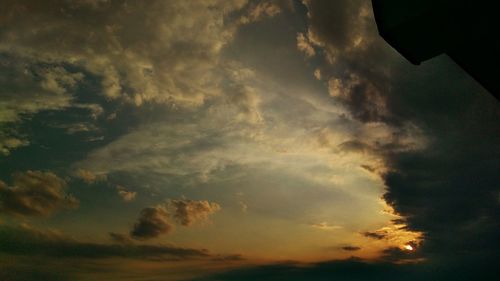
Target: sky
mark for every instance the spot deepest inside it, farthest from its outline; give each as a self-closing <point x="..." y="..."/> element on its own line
<point x="237" y="140"/>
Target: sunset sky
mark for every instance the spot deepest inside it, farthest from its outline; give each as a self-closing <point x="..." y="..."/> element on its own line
<point x="237" y="140"/>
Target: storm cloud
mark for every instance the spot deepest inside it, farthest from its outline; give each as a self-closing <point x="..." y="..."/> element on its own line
<point x="447" y="189"/>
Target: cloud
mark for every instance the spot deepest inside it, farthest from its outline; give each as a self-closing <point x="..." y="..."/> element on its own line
<point x="155" y="221"/>
<point x="152" y="222"/>
<point x="120" y="238"/>
<point x="345" y="31"/>
<point x="89" y="177"/>
<point x="444" y="188"/>
<point x="229" y="258"/>
<point x="7" y="143"/>
<point x="304" y="45"/>
<point x="26" y="240"/>
<point x="401" y="255"/>
<point x="351" y="248"/>
<point x="325" y="226"/>
<point x="375" y="235"/>
<point x="127" y="196"/>
<point x="187" y="211"/>
<point x="260" y="10"/>
<point x="75" y="128"/>
<point x="202" y="149"/>
<point x="162" y="52"/>
<point x="35" y="193"/>
<point x="30" y="88"/>
<point x="354" y="269"/>
<point x="28" y="253"/>
<point x="243" y="206"/>
<point x="351" y="269"/>
<point x="339" y="26"/>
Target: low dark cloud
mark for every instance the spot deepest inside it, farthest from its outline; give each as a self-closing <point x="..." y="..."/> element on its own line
<point x="228" y="258"/>
<point x="152" y="222"/>
<point x="351" y="248"/>
<point x="400" y="255"/>
<point x="31" y="273"/>
<point x="354" y="270"/>
<point x="186" y="211"/>
<point x="120" y="238"/>
<point x="35" y="193"/>
<point x="26" y="240"/>
<point x="374" y="235"/>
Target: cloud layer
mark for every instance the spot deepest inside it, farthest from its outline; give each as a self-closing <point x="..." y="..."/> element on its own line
<point x="26" y="240"/>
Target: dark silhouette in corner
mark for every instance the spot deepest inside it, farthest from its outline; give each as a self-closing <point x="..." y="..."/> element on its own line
<point x="467" y="31"/>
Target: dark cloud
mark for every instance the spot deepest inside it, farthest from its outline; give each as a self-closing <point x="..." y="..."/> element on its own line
<point x="354" y="270"/>
<point x="402" y="255"/>
<point x="346" y="22"/>
<point x="346" y="33"/>
<point x="374" y="235"/>
<point x="152" y="222"/>
<point x="31" y="273"/>
<point x="351" y="248"/>
<point x="26" y="240"/>
<point x="355" y="146"/>
<point x="186" y="211"/>
<point x="448" y="187"/>
<point x="35" y="193"/>
<point x="229" y="258"/>
<point x="155" y="221"/>
<point x="120" y="238"/>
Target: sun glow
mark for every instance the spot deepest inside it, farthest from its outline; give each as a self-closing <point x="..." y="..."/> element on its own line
<point x="408" y="247"/>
